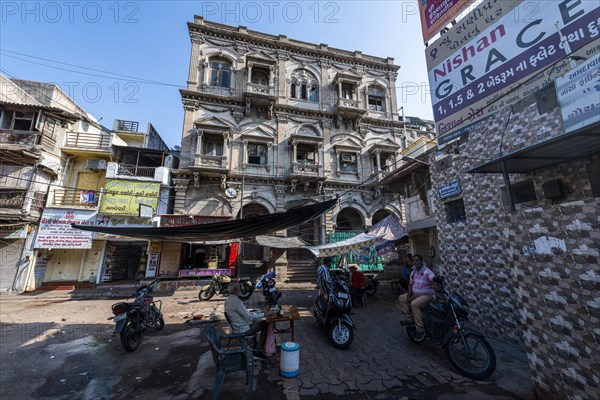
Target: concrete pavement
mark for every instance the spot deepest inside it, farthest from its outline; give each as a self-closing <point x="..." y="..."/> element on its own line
<point x="381" y="363"/>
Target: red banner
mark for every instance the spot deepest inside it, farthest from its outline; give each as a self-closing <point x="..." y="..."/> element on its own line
<point x="436" y="14"/>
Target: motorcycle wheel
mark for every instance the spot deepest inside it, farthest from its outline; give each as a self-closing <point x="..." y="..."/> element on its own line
<point x="341" y="335"/>
<point x="370" y="288"/>
<point x="246" y="290"/>
<point x="478" y="361"/>
<point x="130" y="339"/>
<point x="411" y="331"/>
<point x="206" y="294"/>
<point x="160" y="323"/>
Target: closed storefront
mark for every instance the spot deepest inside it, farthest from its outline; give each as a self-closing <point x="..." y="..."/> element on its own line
<point x="10" y="256"/>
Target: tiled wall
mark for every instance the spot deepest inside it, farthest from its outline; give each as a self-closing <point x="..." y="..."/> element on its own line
<point x="532" y="276"/>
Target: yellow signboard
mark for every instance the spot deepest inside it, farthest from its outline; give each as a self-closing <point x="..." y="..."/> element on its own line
<point x="123" y="197"/>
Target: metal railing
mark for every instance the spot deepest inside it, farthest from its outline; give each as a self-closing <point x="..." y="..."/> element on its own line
<point x="88" y="140"/>
<point x="134" y="170"/>
<point x="128" y="126"/>
<point x="75" y="197"/>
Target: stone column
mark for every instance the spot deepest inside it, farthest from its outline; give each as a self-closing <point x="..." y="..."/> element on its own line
<point x="199" y="136"/>
<point x="378" y="158"/>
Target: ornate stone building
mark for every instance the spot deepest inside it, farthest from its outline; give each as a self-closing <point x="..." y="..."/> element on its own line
<point x="273" y="123"/>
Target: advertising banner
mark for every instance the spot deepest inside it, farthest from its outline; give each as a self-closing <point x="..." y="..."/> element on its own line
<point x="123" y="197"/>
<point x="436" y="14"/>
<point x="55" y="231"/>
<point x="496" y="48"/>
<point x="578" y="93"/>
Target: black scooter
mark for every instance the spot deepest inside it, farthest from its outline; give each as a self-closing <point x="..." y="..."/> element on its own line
<point x="332" y="310"/>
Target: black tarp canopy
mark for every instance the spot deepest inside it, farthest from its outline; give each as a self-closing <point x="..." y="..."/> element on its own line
<point x="234" y="229"/>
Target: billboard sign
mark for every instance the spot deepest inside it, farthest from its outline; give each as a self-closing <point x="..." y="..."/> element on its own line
<point x="497" y="48"/>
<point x="123" y="197"/>
<point x="55" y="231"/>
<point x="578" y="93"/>
<point x="436" y="14"/>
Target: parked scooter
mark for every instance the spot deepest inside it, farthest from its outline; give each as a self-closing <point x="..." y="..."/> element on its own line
<point x="332" y="310"/>
<point x="132" y="319"/>
<point x="267" y="283"/>
<point x="467" y="349"/>
<point x="372" y="284"/>
<point x="218" y="285"/>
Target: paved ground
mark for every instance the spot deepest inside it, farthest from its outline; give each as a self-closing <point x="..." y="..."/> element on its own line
<point x="60" y="346"/>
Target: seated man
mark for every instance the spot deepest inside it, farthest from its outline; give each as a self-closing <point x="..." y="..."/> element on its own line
<point x="420" y="293"/>
<point x="357" y="285"/>
<point x="242" y="321"/>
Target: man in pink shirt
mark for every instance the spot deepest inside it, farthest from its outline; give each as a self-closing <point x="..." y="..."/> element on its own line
<point x="420" y="293"/>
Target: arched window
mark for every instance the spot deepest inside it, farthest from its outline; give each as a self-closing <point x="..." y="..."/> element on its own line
<point x="304" y="86"/>
<point x="376" y="99"/>
<point x="213" y="145"/>
<point x="220" y="73"/>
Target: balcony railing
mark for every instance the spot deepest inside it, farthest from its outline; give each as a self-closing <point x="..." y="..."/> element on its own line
<point x="305" y="169"/>
<point x="39" y="201"/>
<point x="133" y="170"/>
<point x="128" y="126"/>
<point x="93" y="141"/>
<point x="12" y="199"/>
<point x="75" y="197"/>
<point x="25" y="138"/>
<point x="347" y="103"/>
<point x="217" y="162"/>
<point x="255" y="88"/>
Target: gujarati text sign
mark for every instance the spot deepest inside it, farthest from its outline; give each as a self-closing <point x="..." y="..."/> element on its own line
<point x="123" y="197"/>
<point x="55" y="230"/>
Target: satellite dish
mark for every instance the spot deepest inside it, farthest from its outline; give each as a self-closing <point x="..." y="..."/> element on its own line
<point x="230" y="193"/>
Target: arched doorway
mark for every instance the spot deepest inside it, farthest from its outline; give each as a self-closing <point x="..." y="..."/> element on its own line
<point x="251" y="251"/>
<point x="379" y="215"/>
<point x="349" y="220"/>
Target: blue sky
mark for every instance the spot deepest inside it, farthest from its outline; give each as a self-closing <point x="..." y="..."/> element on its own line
<point x="145" y="41"/>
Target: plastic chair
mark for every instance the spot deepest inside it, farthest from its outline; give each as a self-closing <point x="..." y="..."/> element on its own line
<point x="229" y="359"/>
<point x="251" y="338"/>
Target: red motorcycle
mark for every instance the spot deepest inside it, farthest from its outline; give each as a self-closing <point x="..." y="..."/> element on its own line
<point x="132" y="319"/>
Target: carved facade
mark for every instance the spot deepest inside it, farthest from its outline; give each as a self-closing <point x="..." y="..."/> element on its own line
<point x="272" y="123"/>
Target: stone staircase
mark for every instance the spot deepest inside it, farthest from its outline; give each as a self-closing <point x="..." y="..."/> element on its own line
<point x="301" y="273"/>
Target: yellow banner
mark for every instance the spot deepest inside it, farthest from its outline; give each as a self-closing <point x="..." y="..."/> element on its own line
<point x="123" y="197"/>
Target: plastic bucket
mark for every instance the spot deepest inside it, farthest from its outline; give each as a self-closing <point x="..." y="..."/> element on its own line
<point x="290" y="359"/>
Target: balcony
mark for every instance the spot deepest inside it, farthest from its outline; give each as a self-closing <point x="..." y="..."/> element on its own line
<point x="211" y="165"/>
<point x="75" y="197"/>
<point x="12" y="199"/>
<point x="127" y="126"/>
<point x="137" y="172"/>
<point x="80" y="143"/>
<point x="259" y="95"/>
<point x="15" y="137"/>
<point x="306" y="170"/>
<point x="347" y="109"/>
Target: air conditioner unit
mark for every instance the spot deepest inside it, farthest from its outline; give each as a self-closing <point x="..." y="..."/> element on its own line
<point x="347" y="157"/>
<point x="96" y="165"/>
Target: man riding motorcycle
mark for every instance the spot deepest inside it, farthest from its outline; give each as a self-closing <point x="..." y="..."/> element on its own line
<point x="420" y="293"/>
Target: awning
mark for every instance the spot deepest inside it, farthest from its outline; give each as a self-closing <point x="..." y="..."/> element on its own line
<point x="344" y="246"/>
<point x="389" y="228"/>
<point x="234" y="229"/>
<point x="324" y="250"/>
<point x="564" y="148"/>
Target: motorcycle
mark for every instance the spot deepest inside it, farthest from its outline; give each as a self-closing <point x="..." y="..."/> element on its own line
<point x="467" y="349"/>
<point x="218" y="285"/>
<point x="267" y="283"/>
<point x="372" y="285"/>
<point x="132" y="319"/>
<point x="332" y="310"/>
